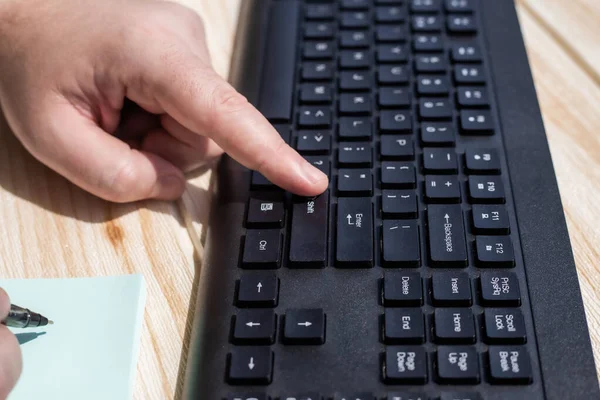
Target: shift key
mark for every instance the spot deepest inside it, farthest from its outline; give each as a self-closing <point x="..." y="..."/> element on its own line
<point x="308" y="243"/>
<point x="446" y="235"/>
<point x="354" y="232"/>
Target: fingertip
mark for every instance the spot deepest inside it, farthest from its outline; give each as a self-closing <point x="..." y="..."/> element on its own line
<point x="317" y="181"/>
<point x="169" y="187"/>
<point x="4" y="304"/>
<point x="12" y="364"/>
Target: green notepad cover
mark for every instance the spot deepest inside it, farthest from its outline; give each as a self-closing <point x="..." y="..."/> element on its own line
<point x="91" y="350"/>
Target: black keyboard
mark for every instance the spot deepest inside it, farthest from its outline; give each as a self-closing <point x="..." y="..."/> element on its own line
<point x="437" y="265"/>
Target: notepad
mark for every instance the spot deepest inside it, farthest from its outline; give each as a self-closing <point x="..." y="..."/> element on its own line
<point x="91" y="350"/>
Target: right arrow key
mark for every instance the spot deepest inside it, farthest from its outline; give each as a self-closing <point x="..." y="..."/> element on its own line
<point x="304" y="326"/>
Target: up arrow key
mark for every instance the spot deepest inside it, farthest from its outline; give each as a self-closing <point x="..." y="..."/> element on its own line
<point x="259" y="286"/>
<point x="319" y="113"/>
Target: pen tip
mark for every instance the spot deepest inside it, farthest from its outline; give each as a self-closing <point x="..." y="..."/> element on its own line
<point x="50" y="322"/>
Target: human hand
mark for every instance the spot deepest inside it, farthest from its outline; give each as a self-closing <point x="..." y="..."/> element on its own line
<point x="67" y="68"/>
<point x="10" y="352"/>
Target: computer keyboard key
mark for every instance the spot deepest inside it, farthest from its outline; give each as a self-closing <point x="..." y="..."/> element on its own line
<point x="315" y="93"/>
<point x="354" y="232"/>
<point x="472" y="96"/>
<point x="447" y="246"/>
<point x="425" y="6"/>
<point x="395" y="121"/>
<point x="392" y="74"/>
<point x="265" y="210"/>
<point x="405" y="364"/>
<point x="431" y="63"/>
<point x="314" y="142"/>
<point x="393" y="53"/>
<point x="426" y="42"/>
<point x="457" y="364"/>
<point x="318" y="50"/>
<point x="504" y="325"/>
<point x="466" y="52"/>
<point x="442" y="189"/>
<point x="432" y="108"/>
<point x="355" y="4"/>
<point x="486" y="189"/>
<point x="490" y="219"/>
<point x="437" y="134"/>
<point x="262" y="249"/>
<point x="258" y="289"/>
<point x="355" y="80"/>
<point x="355" y="128"/>
<point x="246" y="396"/>
<point x="509" y="364"/>
<point x="314" y="117"/>
<point x="355" y="59"/>
<point x="354" y="39"/>
<point x="454" y="325"/>
<point x="254" y="327"/>
<point x="355" y="396"/>
<point x="304" y="396"/>
<point x="400" y="245"/>
<point x="259" y="182"/>
<point x="319" y="11"/>
<point x="460" y="395"/>
<point x="318" y="30"/>
<point x="250" y="366"/>
<point x="475" y="122"/>
<point x="499" y="289"/>
<point x="355" y="19"/>
<point x="402" y="288"/>
<point x="355" y="154"/>
<point x="390" y="14"/>
<point x="390" y="33"/>
<point x="407" y="396"/>
<point x="482" y="161"/>
<point x="355" y="103"/>
<point x="304" y="326"/>
<point x="461" y="24"/>
<point x="396" y="147"/>
<point x="403" y="325"/>
<point x="394" y="97"/>
<point x="433" y="85"/>
<point x="494" y="251"/>
<point x="315" y="71"/>
<point x="321" y="163"/>
<point x="399" y="204"/>
<point x="426" y="23"/>
<point x="308" y="241"/>
<point x="355" y="182"/>
<point x="459" y="6"/>
<point x="398" y="175"/>
<point x="464" y="73"/>
<point x="440" y="161"/>
<point x="451" y="289"/>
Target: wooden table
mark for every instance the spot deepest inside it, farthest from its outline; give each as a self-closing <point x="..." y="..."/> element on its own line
<point x="52" y="229"/>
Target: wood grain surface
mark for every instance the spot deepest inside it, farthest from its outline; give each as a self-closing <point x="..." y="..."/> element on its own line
<point x="52" y="229"/>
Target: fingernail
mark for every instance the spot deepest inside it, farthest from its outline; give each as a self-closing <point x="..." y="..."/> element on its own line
<point x="312" y="174"/>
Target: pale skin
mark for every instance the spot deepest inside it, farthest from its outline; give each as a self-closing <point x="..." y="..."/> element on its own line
<point x="119" y="96"/>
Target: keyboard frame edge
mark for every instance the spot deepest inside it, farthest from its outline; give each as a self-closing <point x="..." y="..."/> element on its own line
<point x="546" y="247"/>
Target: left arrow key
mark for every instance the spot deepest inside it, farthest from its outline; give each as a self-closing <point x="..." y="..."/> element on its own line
<point x="254" y="327"/>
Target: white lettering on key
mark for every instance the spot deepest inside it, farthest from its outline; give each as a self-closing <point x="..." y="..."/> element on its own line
<point x="405" y="285"/>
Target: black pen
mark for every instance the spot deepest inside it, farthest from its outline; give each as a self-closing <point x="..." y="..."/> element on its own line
<point x="20" y="317"/>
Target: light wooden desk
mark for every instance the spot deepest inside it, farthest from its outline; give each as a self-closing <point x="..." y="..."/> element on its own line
<point x="52" y="229"/>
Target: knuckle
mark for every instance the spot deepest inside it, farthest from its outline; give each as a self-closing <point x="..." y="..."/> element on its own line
<point x="263" y="161"/>
<point x="226" y="103"/>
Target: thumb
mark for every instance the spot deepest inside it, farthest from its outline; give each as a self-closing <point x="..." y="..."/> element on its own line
<point x="10" y="352"/>
<point x="78" y="149"/>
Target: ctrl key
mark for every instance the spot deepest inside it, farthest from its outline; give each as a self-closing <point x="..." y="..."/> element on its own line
<point x="250" y="366"/>
<point x="405" y="364"/>
<point x="509" y="364"/>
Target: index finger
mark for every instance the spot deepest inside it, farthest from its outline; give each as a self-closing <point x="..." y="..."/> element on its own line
<point x="4" y="304"/>
<point x="198" y="98"/>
